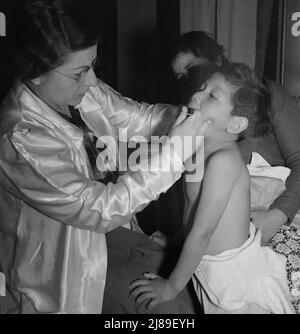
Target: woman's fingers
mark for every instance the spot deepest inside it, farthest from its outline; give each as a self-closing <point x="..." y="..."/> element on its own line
<point x="194" y="125"/>
<point x="182" y="116"/>
<point x="201" y="125"/>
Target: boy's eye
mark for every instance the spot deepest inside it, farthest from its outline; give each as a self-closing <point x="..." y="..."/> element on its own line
<point x="212" y="96"/>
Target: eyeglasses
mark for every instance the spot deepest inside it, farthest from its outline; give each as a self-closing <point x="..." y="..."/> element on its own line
<point x="82" y="75"/>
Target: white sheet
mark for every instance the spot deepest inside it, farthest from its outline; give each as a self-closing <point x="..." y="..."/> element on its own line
<point x="267" y="183"/>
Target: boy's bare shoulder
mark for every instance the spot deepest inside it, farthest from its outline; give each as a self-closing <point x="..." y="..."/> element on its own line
<point x="227" y="159"/>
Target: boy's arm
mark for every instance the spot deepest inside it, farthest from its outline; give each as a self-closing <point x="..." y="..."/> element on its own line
<point x="219" y="179"/>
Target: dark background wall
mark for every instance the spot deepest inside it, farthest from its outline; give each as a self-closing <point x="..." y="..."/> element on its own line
<point x="137" y="37"/>
<point x="146" y="33"/>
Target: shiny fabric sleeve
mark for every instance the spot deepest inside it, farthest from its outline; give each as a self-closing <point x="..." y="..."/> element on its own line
<point x="38" y="168"/>
<point x="140" y="119"/>
<point x="286" y="125"/>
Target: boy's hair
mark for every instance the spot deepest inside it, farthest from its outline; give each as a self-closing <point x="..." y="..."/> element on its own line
<point x="200" y="44"/>
<point x="251" y="98"/>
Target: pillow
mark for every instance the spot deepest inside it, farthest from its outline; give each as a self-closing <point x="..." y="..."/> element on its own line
<point x="264" y="191"/>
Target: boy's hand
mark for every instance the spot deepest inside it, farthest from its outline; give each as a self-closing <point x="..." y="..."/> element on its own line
<point x="153" y="287"/>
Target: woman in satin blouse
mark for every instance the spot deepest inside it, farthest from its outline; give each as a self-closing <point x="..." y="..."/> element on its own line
<point x="54" y="212"/>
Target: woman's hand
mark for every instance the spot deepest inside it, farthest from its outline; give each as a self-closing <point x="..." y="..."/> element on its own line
<point x="269" y="222"/>
<point x="153" y="287"/>
<point x="189" y="126"/>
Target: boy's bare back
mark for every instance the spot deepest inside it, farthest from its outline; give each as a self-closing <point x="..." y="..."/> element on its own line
<point x="224" y="193"/>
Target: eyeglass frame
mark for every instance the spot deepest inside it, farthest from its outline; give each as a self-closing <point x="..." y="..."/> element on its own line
<point x="83" y="73"/>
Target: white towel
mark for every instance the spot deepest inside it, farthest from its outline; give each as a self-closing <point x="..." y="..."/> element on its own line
<point x="260" y="167"/>
<point x="248" y="275"/>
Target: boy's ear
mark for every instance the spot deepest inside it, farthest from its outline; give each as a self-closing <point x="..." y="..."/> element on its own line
<point x="237" y="125"/>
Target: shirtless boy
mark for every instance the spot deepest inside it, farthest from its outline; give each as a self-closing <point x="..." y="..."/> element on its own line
<point x="221" y="250"/>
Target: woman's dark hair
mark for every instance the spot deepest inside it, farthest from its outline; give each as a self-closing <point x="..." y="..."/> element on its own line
<point x="44" y="32"/>
<point x="252" y="98"/>
<point x="200" y="44"/>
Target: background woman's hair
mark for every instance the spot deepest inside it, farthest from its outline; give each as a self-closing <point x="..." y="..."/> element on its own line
<point x="194" y="79"/>
<point x="43" y="32"/>
<point x="201" y="45"/>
